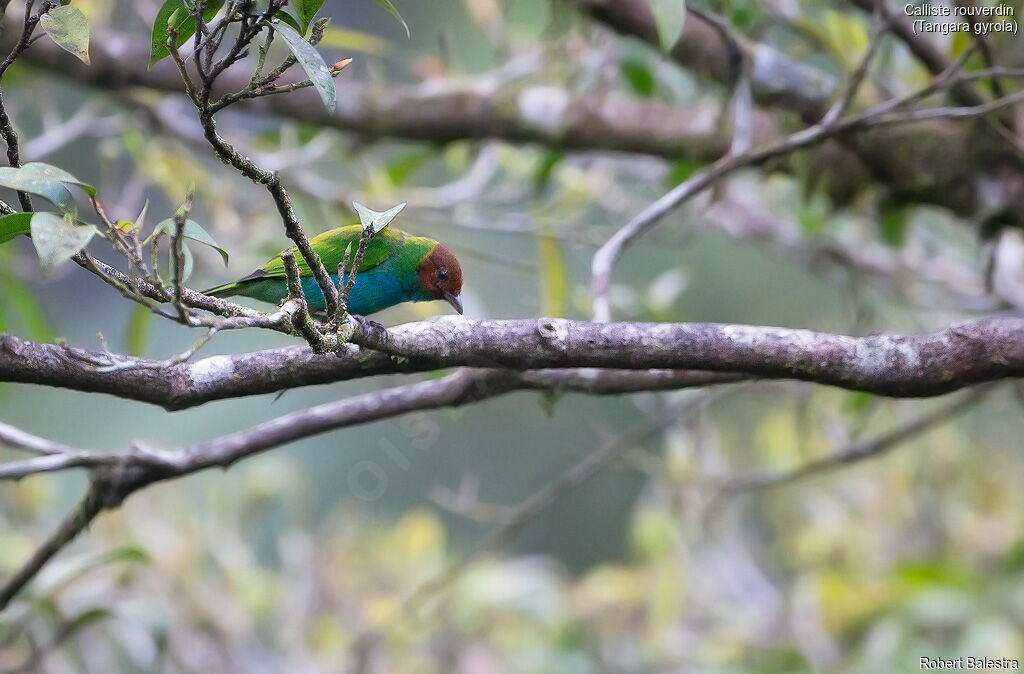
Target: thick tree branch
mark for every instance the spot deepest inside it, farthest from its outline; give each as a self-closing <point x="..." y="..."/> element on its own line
<point x="73" y="524"/>
<point x="775" y="78"/>
<point x="893" y="365"/>
<point x="544" y="114"/>
<point x="889" y="112"/>
<point x="553" y="116"/>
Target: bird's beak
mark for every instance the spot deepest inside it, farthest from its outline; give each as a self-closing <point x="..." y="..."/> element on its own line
<point x="454" y="300"/>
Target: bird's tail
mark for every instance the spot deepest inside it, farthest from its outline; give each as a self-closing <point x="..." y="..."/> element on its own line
<point x="225" y="290"/>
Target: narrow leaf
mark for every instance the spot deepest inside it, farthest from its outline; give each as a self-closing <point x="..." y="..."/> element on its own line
<point x="669" y="17"/>
<point x="554" y="276"/>
<point x="639" y="77"/>
<point x="140" y="221"/>
<point x="67" y="571"/>
<point x="83" y="620"/>
<point x="312" y="63"/>
<point x="194" y="231"/>
<point x="386" y="4"/>
<point x="376" y="220"/>
<point x="892" y="225"/>
<point x="57" y="238"/>
<point x="137" y="332"/>
<point x="69" y="29"/>
<point x="27" y="306"/>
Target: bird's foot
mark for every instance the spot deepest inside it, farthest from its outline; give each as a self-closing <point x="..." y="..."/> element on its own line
<point x="366" y="325"/>
<point x="371" y="334"/>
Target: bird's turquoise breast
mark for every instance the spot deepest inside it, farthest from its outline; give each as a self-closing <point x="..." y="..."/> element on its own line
<point x="375" y="289"/>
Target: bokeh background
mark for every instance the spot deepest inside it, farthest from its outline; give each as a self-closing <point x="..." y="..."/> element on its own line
<point x="302" y="559"/>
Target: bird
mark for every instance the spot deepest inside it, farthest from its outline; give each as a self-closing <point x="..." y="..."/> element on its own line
<point x="397" y="267"/>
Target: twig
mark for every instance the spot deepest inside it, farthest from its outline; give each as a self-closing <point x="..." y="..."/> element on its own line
<point x="879" y="26"/>
<point x="178" y="254"/>
<point x="15" y="438"/>
<point x="538" y="502"/>
<point x="857" y="452"/>
<point x="7" y="132"/>
<point x="346" y="291"/>
<point x="116" y="475"/>
<point x="90" y="506"/>
<point x="301" y="318"/>
<point x="887" y="113"/>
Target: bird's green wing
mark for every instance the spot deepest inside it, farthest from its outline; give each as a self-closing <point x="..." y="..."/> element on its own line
<point x="331" y="245"/>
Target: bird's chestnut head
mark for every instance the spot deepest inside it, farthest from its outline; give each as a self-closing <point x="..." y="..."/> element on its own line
<point x="441" y="276"/>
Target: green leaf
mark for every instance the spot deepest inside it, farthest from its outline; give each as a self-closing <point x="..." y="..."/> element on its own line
<point x="638" y="76"/>
<point x="83" y="620"/>
<point x="545" y="167"/>
<point x="354" y="40"/>
<point x="669" y="17"/>
<point x="14" y="225"/>
<point x="69" y="29"/>
<point x="37" y="170"/>
<point x="386" y="4"/>
<point x="183" y="21"/>
<point x="306" y="11"/>
<point x="57" y="238"/>
<point x="856" y="402"/>
<point x="681" y="170"/>
<point x="33" y="318"/>
<point x="376" y="220"/>
<point x="892" y="225"/>
<point x="401" y="168"/>
<point x="312" y="63"/>
<point x="67" y="571"/>
<point x="548" y="400"/>
<point x="554" y="276"/>
<point x="56" y="193"/>
<point x="194" y="231"/>
<point x="127" y="226"/>
<point x="290" y="20"/>
<point x="46" y="181"/>
<point x="137" y="331"/>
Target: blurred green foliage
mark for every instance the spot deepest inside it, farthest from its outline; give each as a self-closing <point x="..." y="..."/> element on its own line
<point x="294" y="562"/>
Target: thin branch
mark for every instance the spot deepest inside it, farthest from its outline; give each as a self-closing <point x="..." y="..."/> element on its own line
<point x="178" y="253"/>
<point x="923" y="49"/>
<point x="301" y="318"/>
<point x="879" y="26"/>
<point x="7" y="131"/>
<point x="16" y="438"/>
<point x="90" y="506"/>
<point x="116" y="475"/>
<point x="350" y="283"/>
<point x="857" y="452"/>
<point x="542" y="499"/>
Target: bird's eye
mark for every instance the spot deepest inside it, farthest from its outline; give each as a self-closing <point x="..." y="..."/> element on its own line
<point x="442" y="274"/>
